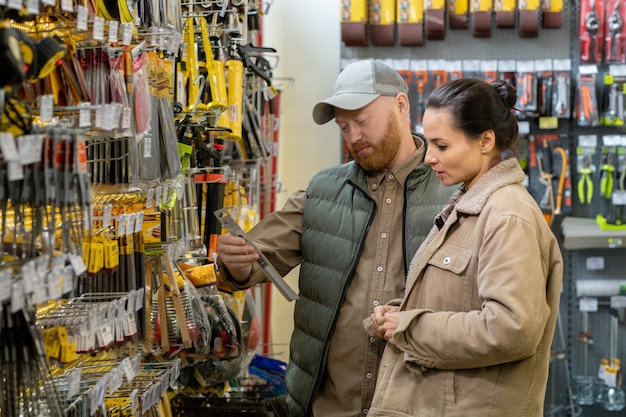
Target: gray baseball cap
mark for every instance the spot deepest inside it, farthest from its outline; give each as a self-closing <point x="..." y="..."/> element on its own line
<point x="358" y="85"/>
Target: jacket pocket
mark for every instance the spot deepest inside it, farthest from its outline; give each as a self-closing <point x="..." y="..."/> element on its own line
<point x="451" y="258"/>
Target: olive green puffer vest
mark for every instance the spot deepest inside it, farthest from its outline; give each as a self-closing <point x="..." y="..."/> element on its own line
<point x="337" y="217"/>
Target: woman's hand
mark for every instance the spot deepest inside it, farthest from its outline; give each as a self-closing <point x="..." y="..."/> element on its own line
<point x="385" y="319"/>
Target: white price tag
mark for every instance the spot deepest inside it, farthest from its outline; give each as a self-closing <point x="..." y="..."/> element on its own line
<point x="68" y="279"/>
<point x="78" y="264"/>
<point x="30" y="148"/>
<point x="113" y="26"/>
<point x="588" y="304"/>
<point x="46" y="106"/>
<point x="17" y="296"/>
<point x="67" y="5"/>
<point x="127" y="33"/>
<point x="74" y="383"/>
<point x="129" y="372"/>
<point x="81" y="18"/>
<point x="98" y="29"/>
<point x="147" y="146"/>
<point x="5" y="282"/>
<point x="32" y="6"/>
<point x="15" y="4"/>
<point x="8" y="146"/>
<point x="127" y="114"/>
<point x="84" y="117"/>
<point x="15" y="171"/>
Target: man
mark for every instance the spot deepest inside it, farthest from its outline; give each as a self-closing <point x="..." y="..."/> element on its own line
<point x="354" y="232"/>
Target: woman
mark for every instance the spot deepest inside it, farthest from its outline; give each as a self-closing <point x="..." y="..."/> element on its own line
<point x="472" y="335"/>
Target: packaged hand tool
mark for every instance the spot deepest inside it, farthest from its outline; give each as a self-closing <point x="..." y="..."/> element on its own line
<point x="615" y="32"/>
<point x="505" y="13"/>
<point x="585" y="167"/>
<point x="561" y="107"/>
<point x="382" y="22"/>
<point x="234" y="229"/>
<point x="458" y="14"/>
<point x="481" y="17"/>
<point x="591" y="30"/>
<point x="528" y="17"/>
<point x="551" y="14"/>
<point x="410" y="22"/>
<point x="587" y="110"/>
<point x="435" y="19"/>
<point x="354" y="22"/>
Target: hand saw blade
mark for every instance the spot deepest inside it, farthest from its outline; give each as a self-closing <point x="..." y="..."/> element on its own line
<point x="233" y="228"/>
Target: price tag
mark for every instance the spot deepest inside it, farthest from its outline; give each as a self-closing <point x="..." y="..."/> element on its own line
<point x="130" y="325"/>
<point x="129" y="372"/>
<point x="15" y="171"/>
<point x="127" y="33"/>
<point x="5" y="282"/>
<point x="17" y="296"/>
<point x="113" y="26"/>
<point x="67" y="5"/>
<point x="30" y="148"/>
<point x="126" y="117"/>
<point x="46" y="105"/>
<point x="588" y="304"/>
<point x="98" y="29"/>
<point x="96" y="394"/>
<point x="81" y="18"/>
<point x="54" y="284"/>
<point x="68" y="279"/>
<point x="74" y="383"/>
<point x="147" y="146"/>
<point x="78" y="264"/>
<point x="150" y="198"/>
<point x="8" y="146"/>
<point x="15" y="4"/>
<point x="618" y="301"/>
<point x="84" y="117"/>
<point x="32" y="6"/>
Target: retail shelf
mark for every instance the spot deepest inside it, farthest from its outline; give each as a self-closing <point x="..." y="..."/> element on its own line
<point x="585" y="233"/>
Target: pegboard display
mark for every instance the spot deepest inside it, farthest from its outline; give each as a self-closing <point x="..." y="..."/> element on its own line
<point x="574" y="164"/>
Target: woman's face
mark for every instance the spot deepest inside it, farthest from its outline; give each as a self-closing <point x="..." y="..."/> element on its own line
<point x="454" y="157"/>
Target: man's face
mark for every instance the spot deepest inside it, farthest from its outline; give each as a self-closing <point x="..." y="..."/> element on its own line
<point x="371" y="133"/>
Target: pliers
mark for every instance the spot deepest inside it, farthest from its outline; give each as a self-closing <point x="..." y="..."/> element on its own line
<point x="592" y="24"/>
<point x="585" y="184"/>
<point x="606" y="180"/>
<point x="613" y="40"/>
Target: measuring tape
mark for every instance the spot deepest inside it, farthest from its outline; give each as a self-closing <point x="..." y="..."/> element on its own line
<point x="233" y="228"/>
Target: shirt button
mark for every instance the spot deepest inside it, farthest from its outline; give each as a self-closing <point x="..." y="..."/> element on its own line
<point x="446" y="261"/>
<point x="376" y="302"/>
<point x="372" y="339"/>
<point x="369" y="375"/>
<point x="388" y="201"/>
<point x="383" y="235"/>
<point x="374" y="186"/>
<point x="390" y="176"/>
<point x="365" y="411"/>
<point x="379" y="269"/>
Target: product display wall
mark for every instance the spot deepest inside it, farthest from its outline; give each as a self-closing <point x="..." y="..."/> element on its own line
<point x="569" y="70"/>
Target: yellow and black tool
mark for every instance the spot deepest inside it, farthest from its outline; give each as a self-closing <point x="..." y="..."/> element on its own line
<point x="12" y="68"/>
<point x="606" y="179"/>
<point x="585" y="183"/>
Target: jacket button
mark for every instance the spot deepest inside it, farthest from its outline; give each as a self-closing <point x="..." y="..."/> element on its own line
<point x="446" y="261"/>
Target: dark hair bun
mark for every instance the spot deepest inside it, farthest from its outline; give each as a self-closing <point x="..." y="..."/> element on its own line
<point x="507" y="93"/>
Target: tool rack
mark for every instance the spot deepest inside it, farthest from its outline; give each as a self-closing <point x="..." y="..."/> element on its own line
<point x="550" y="149"/>
<point x="147" y="116"/>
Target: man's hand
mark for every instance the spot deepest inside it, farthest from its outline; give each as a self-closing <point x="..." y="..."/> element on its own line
<point x="236" y="255"/>
<point x="385" y="319"/>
